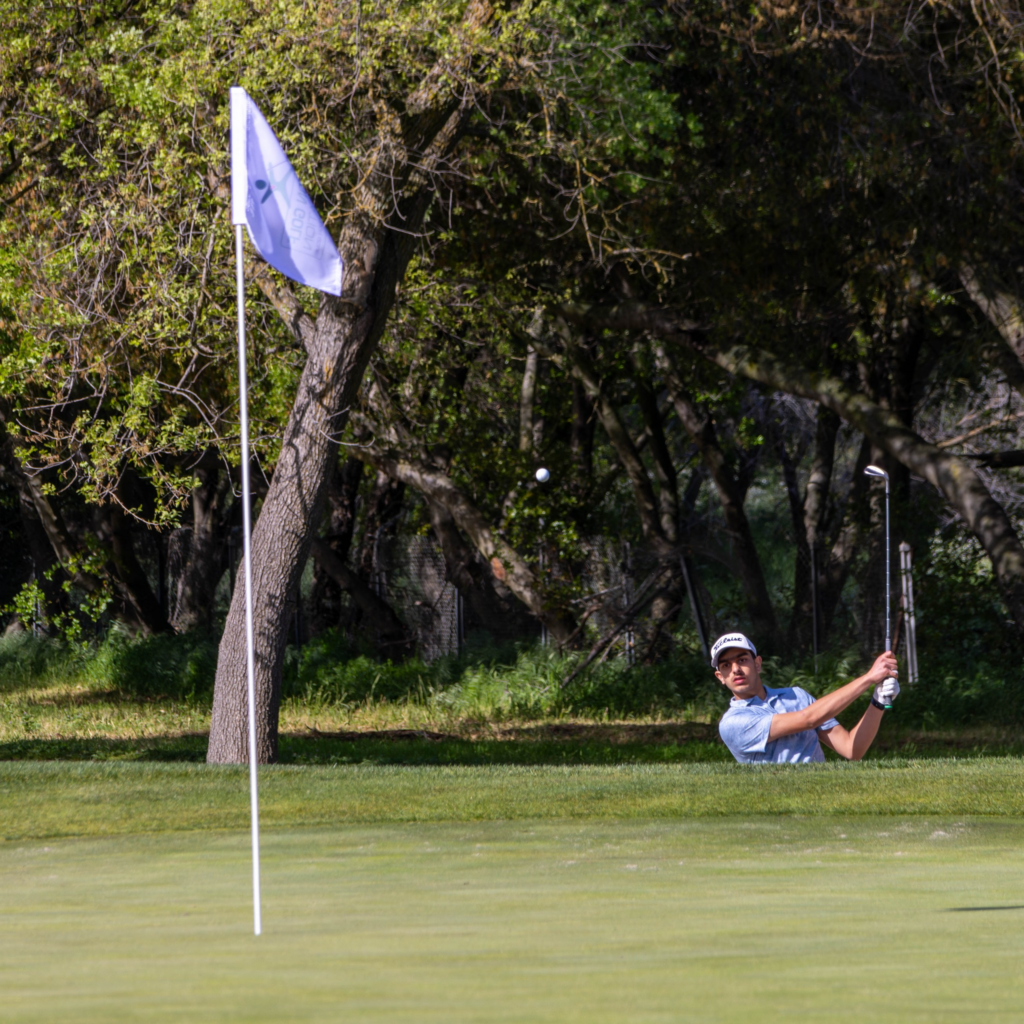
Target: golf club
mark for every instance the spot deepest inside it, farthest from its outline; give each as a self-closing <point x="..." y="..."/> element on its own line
<point x="879" y="472"/>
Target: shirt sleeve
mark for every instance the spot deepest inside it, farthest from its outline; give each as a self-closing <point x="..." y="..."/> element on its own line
<point x="806" y="701"/>
<point x="745" y="730"/>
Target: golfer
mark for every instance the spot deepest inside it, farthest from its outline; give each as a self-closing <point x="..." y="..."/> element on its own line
<point x="785" y="726"/>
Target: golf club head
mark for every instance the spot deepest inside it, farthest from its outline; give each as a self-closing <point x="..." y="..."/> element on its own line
<point x="876" y="471"/>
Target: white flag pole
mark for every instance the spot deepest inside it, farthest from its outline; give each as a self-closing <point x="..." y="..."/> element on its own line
<point x="239" y="194"/>
<point x="243" y="402"/>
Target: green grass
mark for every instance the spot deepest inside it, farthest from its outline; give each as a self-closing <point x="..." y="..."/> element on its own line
<point x="472" y="850"/>
<point x="150" y="700"/>
<point x="113" y="798"/>
<point x="834" y="918"/>
<point x="890" y="891"/>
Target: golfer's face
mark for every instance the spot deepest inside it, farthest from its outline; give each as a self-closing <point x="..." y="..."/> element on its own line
<point x="740" y="671"/>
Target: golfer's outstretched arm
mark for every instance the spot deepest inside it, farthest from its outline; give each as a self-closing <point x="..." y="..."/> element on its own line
<point x="833" y="703"/>
<point x="854" y="744"/>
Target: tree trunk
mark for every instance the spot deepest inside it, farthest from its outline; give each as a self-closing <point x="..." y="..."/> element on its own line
<point x="339" y="346"/>
<point x="849" y="540"/>
<point x="527" y="399"/>
<point x="392" y="639"/>
<point x="815" y="507"/>
<point x="49" y="574"/>
<point x="647" y="504"/>
<point x="1002" y="309"/>
<point x="951" y="475"/>
<point x="342" y="498"/>
<point x="582" y="440"/>
<point x="137" y="606"/>
<point x="488" y="601"/>
<point x="202" y="547"/>
<point x="799" y="624"/>
<point x="384" y="508"/>
<point x="748" y="563"/>
<point x="666" y="604"/>
<point x="506" y="563"/>
<point x="138" y="602"/>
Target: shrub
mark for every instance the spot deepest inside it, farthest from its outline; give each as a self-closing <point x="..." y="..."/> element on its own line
<point x="180" y="667"/>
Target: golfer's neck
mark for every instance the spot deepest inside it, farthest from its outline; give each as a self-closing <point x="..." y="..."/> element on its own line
<point x="759" y="691"/>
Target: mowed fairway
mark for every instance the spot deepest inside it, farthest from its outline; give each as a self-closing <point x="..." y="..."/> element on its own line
<point x="600" y="914"/>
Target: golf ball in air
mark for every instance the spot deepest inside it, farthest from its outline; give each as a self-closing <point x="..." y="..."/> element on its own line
<point x="543" y="476"/>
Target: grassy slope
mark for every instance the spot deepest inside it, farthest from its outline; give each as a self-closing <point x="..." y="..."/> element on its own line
<point x="43" y="800"/>
<point x="714" y="920"/>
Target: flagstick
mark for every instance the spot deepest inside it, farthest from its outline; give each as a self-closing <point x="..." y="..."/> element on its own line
<point x="243" y="402"/>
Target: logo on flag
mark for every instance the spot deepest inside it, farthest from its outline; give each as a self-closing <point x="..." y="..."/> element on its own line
<point x="268" y="198"/>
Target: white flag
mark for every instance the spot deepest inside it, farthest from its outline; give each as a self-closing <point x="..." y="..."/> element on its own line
<point x="268" y="198"/>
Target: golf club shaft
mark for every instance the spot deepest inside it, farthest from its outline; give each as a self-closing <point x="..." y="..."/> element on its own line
<point x="888" y="569"/>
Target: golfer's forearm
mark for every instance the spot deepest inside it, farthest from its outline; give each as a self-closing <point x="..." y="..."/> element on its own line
<point x="839" y="700"/>
<point x="864" y="732"/>
<point x="820" y="711"/>
<point x="853" y="745"/>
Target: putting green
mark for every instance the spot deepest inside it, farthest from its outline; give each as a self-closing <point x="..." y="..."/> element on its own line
<point x="903" y="919"/>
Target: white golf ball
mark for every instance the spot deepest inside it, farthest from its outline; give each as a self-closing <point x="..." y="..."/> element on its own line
<point x="543" y="476"/>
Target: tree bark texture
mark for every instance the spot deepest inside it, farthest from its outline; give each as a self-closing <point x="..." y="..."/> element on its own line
<point x="1001" y="308"/>
<point x="527" y="399"/>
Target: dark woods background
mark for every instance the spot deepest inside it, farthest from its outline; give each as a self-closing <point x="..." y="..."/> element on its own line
<point x="702" y="261"/>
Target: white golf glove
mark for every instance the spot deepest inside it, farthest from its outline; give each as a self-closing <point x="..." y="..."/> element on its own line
<point x="887" y="692"/>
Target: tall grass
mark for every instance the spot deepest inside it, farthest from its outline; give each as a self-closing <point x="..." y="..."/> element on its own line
<point x="177" y="668"/>
<point x="512" y="682"/>
<point x="328" y="677"/>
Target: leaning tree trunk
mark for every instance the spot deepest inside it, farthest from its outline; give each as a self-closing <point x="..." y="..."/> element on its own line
<point x="731" y="495"/>
<point x="949" y="474"/>
<point x="508" y="566"/>
<point x="339" y="345"/>
<point x="339" y="352"/>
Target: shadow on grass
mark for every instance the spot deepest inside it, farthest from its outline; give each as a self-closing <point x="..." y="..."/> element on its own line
<point x="190" y="747"/>
<point x="389" y="747"/>
<point x="549" y="744"/>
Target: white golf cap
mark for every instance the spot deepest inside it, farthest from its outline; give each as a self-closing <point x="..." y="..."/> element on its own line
<point x="730" y="640"/>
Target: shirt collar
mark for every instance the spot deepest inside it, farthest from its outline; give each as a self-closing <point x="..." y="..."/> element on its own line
<point x="747" y="702"/>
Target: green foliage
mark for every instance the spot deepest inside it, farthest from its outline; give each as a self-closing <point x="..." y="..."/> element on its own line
<point x="27" y="660"/>
<point x="173" y="667"/>
<point x="969" y="653"/>
<point x="28" y="605"/>
<point x="513" y="683"/>
<point x="177" y="667"/>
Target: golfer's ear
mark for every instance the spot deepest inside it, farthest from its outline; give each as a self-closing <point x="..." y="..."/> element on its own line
<point x="718" y="676"/>
<point x="757" y="662"/>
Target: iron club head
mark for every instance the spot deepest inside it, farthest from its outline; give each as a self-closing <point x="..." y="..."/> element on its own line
<point x="876" y="471"/>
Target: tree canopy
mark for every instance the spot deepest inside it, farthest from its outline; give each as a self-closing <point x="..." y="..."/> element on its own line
<point x="702" y="260"/>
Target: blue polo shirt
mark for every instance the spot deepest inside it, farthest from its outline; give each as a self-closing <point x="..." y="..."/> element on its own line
<point x="745" y="725"/>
